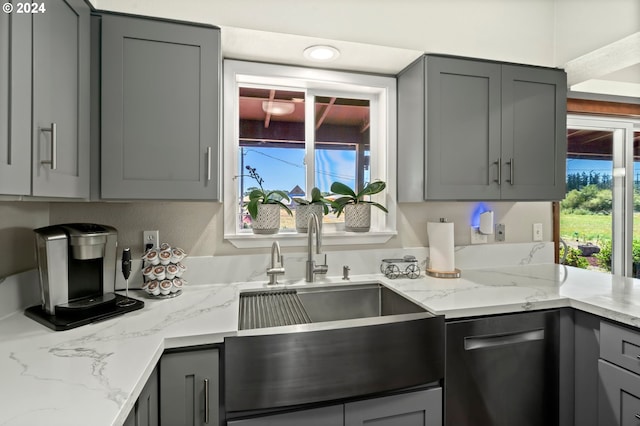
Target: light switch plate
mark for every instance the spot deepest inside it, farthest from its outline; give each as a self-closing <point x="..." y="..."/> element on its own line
<point x="537" y="232"/>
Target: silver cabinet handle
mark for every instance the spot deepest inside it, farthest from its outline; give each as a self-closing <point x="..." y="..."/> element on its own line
<point x="481" y="342"/>
<point x="498" y="163"/>
<point x="209" y="163"/>
<point x="638" y="416"/>
<point x="54" y="146"/>
<point x="511" y="165"/>
<point x="206" y="401"/>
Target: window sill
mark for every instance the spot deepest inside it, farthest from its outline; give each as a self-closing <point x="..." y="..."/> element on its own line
<point x="295" y="239"/>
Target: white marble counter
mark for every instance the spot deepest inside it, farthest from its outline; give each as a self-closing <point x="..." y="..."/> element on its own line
<point x="93" y="374"/>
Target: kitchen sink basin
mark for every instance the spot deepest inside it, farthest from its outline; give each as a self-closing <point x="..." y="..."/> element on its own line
<point x="326" y="343"/>
<point x="272" y="308"/>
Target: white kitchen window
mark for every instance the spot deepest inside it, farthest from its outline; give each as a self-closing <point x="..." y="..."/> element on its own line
<point x="302" y="128"/>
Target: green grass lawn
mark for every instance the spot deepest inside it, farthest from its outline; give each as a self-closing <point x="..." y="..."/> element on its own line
<point x="591" y="227"/>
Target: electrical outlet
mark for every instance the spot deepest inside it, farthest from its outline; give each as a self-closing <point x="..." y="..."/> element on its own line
<point x="537" y="232"/>
<point x="477" y="237"/>
<point x="500" y="232"/>
<point x="150" y="237"/>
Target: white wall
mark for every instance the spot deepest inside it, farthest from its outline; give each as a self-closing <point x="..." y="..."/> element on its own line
<point x="17" y="220"/>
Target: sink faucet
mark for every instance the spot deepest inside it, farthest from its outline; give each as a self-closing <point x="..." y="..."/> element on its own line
<point x="276" y="258"/>
<point x="312" y="269"/>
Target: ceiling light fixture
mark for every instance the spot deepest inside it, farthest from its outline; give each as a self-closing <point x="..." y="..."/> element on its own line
<point x="321" y="53"/>
<point x="278" y="107"/>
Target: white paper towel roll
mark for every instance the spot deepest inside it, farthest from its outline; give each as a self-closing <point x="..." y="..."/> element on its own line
<point x="441" y="248"/>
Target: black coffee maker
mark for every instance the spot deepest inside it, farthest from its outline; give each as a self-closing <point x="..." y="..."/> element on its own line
<point x="77" y="267"/>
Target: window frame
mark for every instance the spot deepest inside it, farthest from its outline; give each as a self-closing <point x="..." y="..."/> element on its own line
<point x="383" y="96"/>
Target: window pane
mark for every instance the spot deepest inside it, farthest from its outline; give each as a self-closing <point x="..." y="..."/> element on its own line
<point x="586" y="212"/>
<point x="342" y="144"/>
<point x="272" y="142"/>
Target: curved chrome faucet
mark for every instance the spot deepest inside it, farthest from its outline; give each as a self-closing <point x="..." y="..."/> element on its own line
<point x="276" y="257"/>
<point x="312" y="269"/>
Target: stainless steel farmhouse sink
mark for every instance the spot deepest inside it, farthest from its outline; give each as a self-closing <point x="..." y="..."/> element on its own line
<point x="326" y="343"/>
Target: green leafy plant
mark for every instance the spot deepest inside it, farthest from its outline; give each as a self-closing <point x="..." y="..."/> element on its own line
<point x="262" y="196"/>
<point x="574" y="258"/>
<point x="316" y="198"/>
<point x="350" y="197"/>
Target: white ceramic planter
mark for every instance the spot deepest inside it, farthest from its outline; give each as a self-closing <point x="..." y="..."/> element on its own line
<point x="357" y="217"/>
<point x="268" y="219"/>
<point x="303" y="212"/>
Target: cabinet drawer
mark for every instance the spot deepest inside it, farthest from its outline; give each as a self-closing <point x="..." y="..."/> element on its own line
<point x="620" y="346"/>
<point x="618" y="396"/>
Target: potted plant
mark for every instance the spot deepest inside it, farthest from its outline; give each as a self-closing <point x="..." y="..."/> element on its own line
<point x="264" y="206"/>
<point x="318" y="205"/>
<point x="357" y="210"/>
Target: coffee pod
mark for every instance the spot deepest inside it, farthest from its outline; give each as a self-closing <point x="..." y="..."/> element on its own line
<point x="148" y="272"/>
<point x="177" y="254"/>
<point x="165" y="287"/>
<point x="165" y="257"/>
<point x="181" y="269"/>
<point x="165" y="246"/>
<point x="160" y="272"/>
<point x="153" y="288"/>
<point x="151" y="257"/>
<point x="145" y="285"/>
<point x="171" y="271"/>
<point x="177" y="285"/>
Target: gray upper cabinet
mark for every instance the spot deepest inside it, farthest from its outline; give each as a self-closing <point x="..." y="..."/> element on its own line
<point x="60" y="130"/>
<point x="15" y="103"/>
<point x="44" y="101"/>
<point x="480" y="130"/>
<point x="159" y="109"/>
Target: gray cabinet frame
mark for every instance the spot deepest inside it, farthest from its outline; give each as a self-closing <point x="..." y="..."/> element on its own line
<point x="145" y="411"/>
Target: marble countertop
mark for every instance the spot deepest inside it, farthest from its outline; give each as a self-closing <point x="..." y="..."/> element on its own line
<point x="94" y="374"/>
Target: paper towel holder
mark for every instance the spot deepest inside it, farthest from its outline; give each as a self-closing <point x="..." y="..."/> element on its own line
<point x="442" y="274"/>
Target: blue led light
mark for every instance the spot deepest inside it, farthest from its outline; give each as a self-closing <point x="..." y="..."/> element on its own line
<point x="477" y="211"/>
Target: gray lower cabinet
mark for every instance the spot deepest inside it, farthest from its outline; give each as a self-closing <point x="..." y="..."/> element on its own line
<point x="325" y="416"/>
<point x="44" y="101"/>
<point x="145" y="411"/>
<point x="420" y="408"/>
<point x="479" y="130"/>
<point x="619" y="376"/>
<point x="189" y="388"/>
<point x="160" y="96"/>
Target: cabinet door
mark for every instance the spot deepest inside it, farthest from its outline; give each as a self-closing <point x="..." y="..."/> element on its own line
<point x="325" y="416"/>
<point x="462" y="129"/>
<point x="534" y="133"/>
<point x="189" y="388"/>
<point x="15" y="103"/>
<point x="618" y="396"/>
<point x="160" y="95"/>
<point x="423" y="408"/>
<point x="60" y="158"/>
<point x="145" y="411"/>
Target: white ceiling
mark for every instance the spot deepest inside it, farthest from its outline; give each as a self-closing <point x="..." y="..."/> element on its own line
<point x="383" y="36"/>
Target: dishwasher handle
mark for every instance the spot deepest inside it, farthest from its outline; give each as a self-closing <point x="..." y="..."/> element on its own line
<point x="493" y="340"/>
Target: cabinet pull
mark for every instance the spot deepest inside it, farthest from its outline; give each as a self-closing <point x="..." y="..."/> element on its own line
<point x="206" y="401"/>
<point x="511" y="164"/>
<point x="638" y="416"/>
<point x="498" y="163"/>
<point x="481" y="342"/>
<point x="209" y="163"/>
<point x="54" y="146"/>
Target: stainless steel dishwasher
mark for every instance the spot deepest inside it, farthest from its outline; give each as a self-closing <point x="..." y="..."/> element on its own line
<point x="503" y="370"/>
